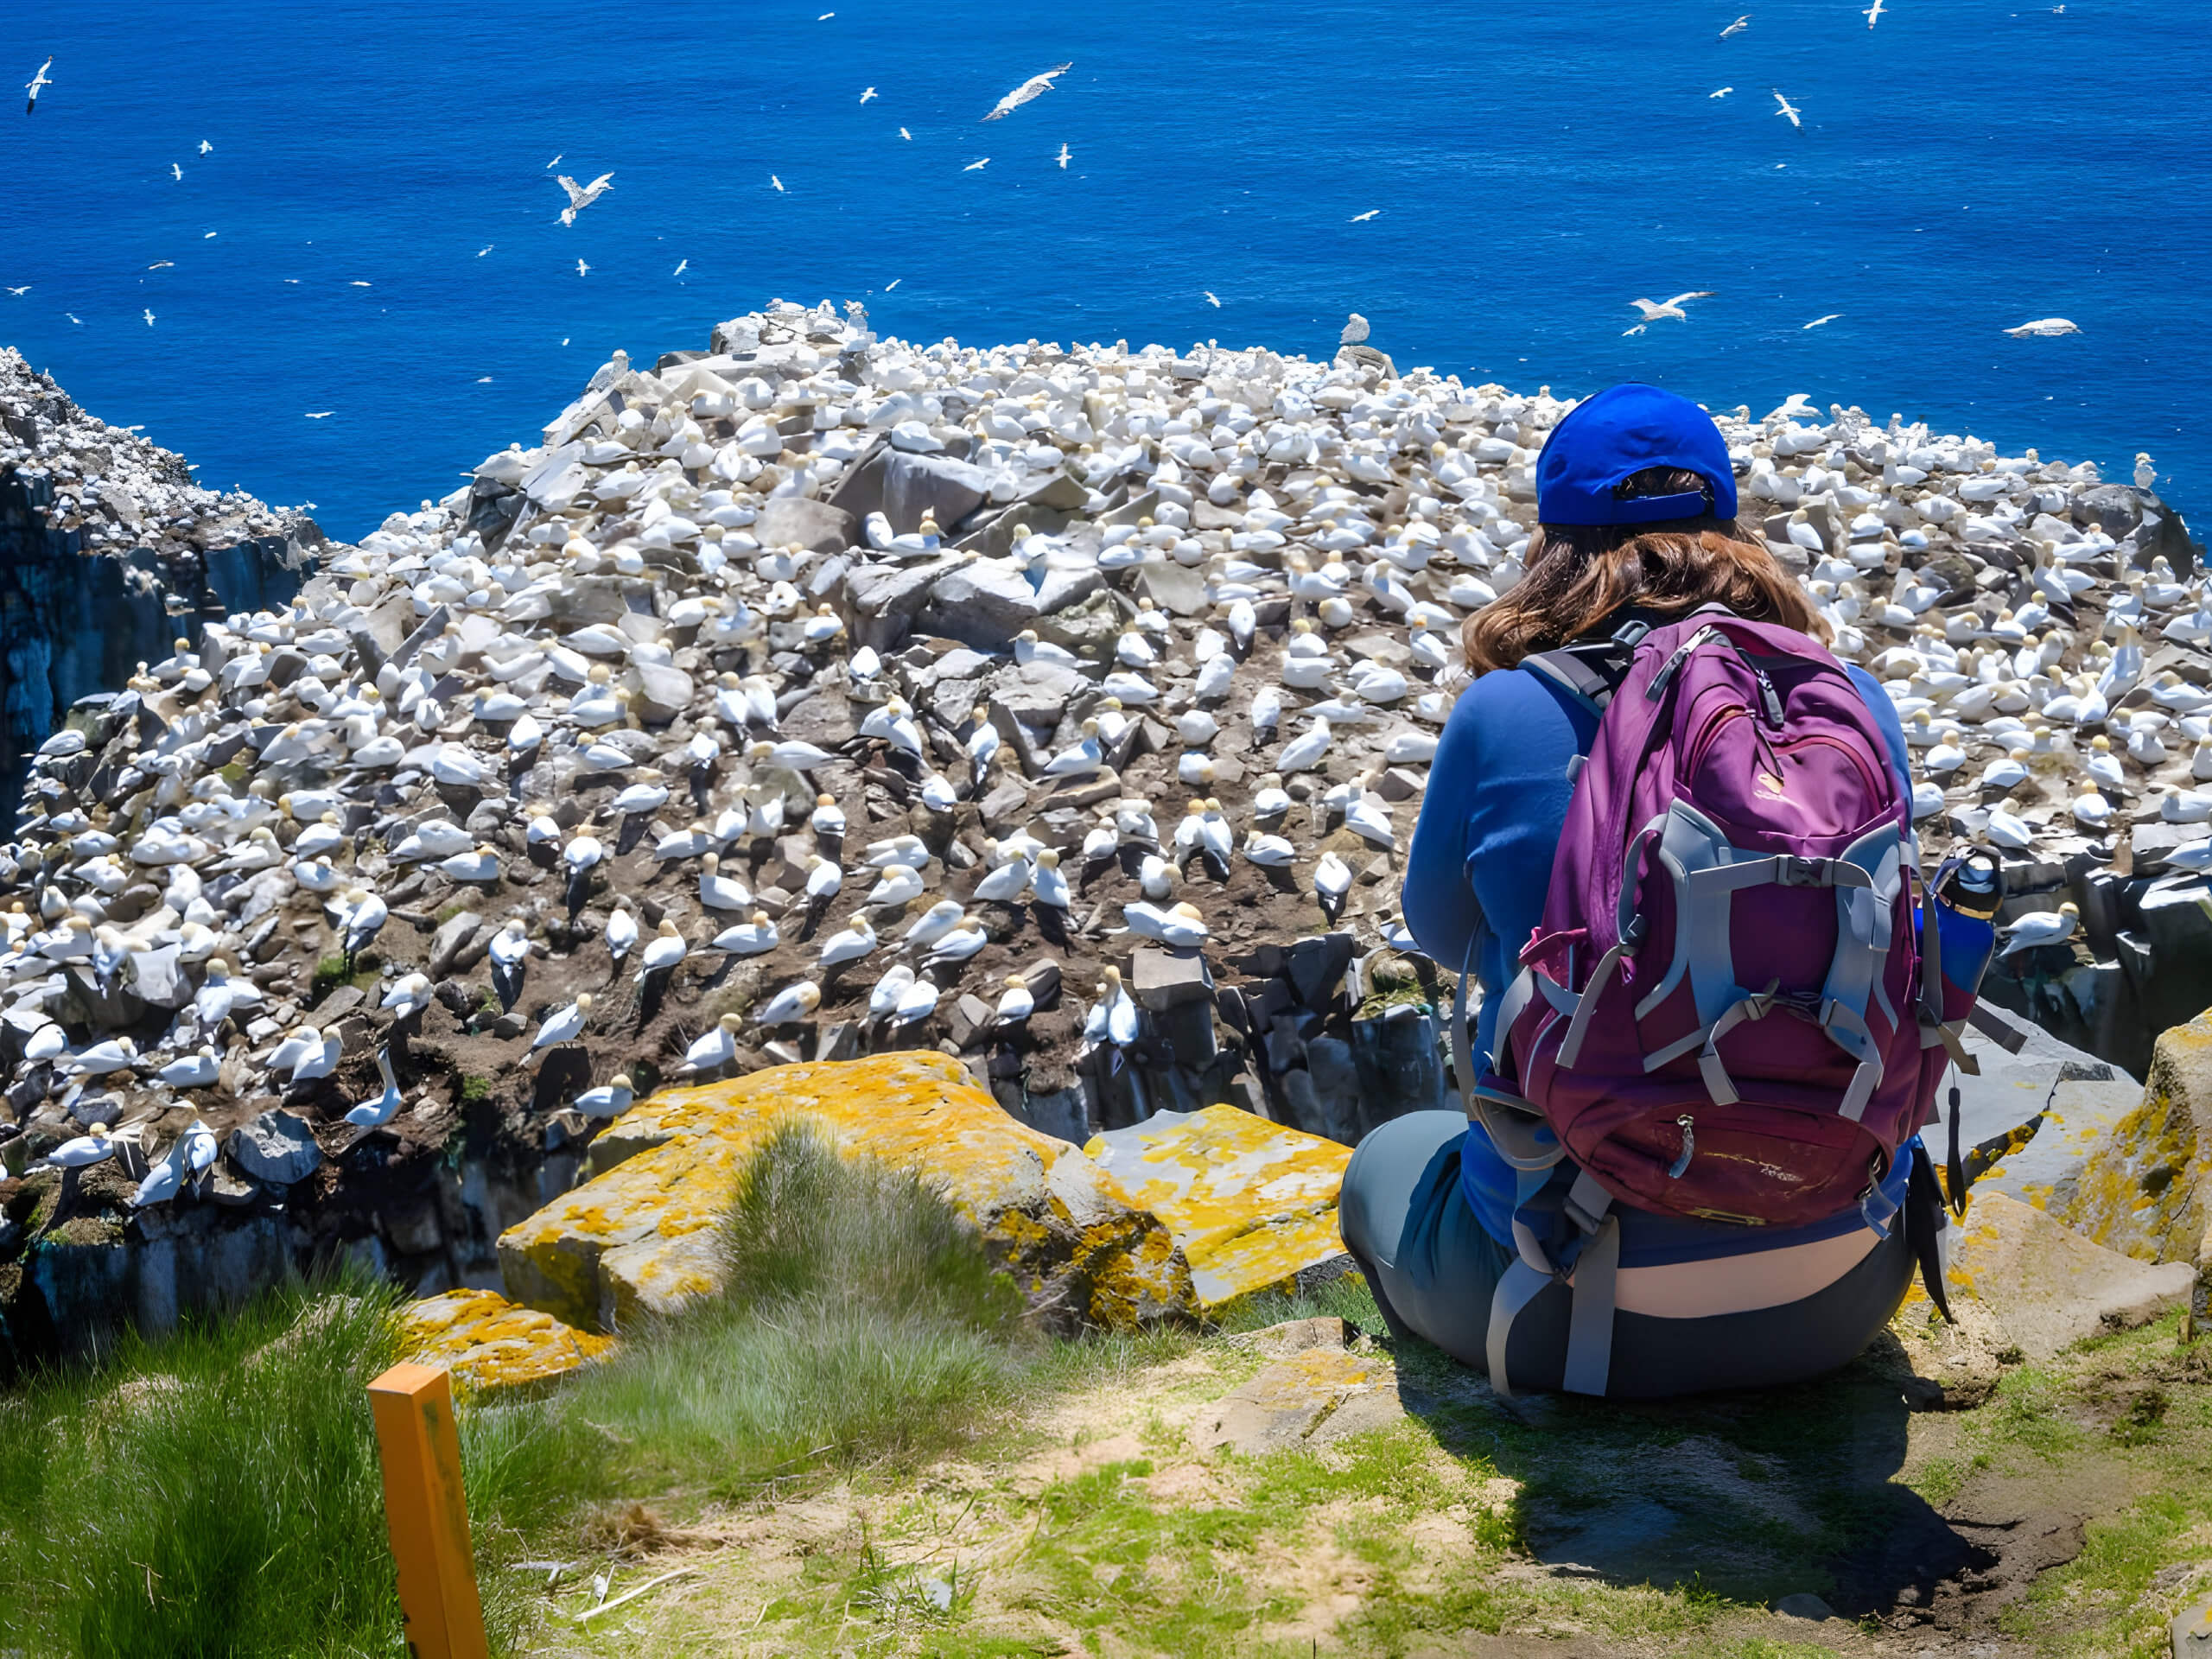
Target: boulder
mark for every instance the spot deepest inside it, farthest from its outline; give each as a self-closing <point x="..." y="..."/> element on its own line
<point x="881" y="600"/>
<point x="984" y="604"/>
<point x="492" y="1347"/>
<point x="638" y="1237"/>
<point x="946" y="489"/>
<point x="1162" y="976"/>
<point x="159" y="978"/>
<point x="2030" y="1155"/>
<point x="1253" y="1204"/>
<point x="815" y="525"/>
<point x="663" y="692"/>
<point x="2145" y="1190"/>
<point x="456" y="935"/>
<point x="2048" y="1284"/>
<point x="276" y="1147"/>
<point x="1176" y="588"/>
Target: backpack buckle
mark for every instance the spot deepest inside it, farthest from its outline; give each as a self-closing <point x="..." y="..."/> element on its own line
<point x="1630" y="634"/>
<point x="1791" y="871"/>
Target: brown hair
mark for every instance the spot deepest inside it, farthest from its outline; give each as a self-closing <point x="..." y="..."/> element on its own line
<point x="1579" y="575"/>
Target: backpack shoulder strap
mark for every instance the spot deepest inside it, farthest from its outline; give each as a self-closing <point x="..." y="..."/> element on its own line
<point x="1590" y="670"/>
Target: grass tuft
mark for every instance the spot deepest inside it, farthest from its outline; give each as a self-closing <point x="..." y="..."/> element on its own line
<point x="215" y="1493"/>
<point x="861" y="1324"/>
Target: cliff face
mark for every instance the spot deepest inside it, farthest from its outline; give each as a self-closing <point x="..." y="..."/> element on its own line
<point x="109" y="552"/>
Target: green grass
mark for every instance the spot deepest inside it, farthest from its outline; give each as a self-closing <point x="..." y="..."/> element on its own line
<point x="214" y="1494"/>
<point x="862" y="1324"/>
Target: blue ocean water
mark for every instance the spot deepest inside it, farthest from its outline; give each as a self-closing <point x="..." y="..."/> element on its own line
<point x="385" y="242"/>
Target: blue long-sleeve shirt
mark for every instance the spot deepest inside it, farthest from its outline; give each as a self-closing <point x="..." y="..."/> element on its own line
<point x="1481" y="859"/>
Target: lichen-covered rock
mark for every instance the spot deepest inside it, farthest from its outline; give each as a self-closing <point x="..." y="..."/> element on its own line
<point x="2147" y="1190"/>
<point x="492" y="1346"/>
<point x="639" y="1237"/>
<point x="2018" y="1278"/>
<point x="1252" y="1203"/>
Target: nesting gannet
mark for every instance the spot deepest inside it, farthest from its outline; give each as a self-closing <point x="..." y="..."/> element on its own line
<point x="510" y="957"/>
<point x="663" y="953"/>
<point x="1017" y="1003"/>
<point x="848" y="944"/>
<point x="562" y="1024"/>
<point x="375" y="1114"/>
<point x="611" y="1099"/>
<point x="95" y="1145"/>
<point x="308" y="1053"/>
<point x="790" y="1005"/>
<point x="717" y="1045"/>
<point x="1035" y="87"/>
<point x="2041" y="927"/>
<point x="749" y="938"/>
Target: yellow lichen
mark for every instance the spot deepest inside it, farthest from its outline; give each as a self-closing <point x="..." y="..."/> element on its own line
<point x="623" y="1242"/>
<point x="1252" y="1203"/>
<point x="490" y="1346"/>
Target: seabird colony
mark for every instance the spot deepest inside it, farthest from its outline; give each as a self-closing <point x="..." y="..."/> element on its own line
<point x="1067" y="710"/>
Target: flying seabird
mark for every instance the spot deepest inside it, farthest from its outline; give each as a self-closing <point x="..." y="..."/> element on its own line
<point x="1788" y="109"/>
<point x="39" y="83"/>
<point x="1740" y="25"/>
<point x="1672" y="308"/>
<point x="581" y="196"/>
<point x="1035" y="87"/>
<point x="1817" y="322"/>
<point x="1361" y="219"/>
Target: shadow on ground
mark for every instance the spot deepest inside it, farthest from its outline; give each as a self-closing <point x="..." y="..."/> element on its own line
<point x="1752" y="1497"/>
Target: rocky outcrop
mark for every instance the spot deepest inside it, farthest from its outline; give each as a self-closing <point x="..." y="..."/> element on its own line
<point x="108" y="553"/>
<point x="1251" y="1204"/>
<point x="644" y="1236"/>
<point x="2146" y="1189"/>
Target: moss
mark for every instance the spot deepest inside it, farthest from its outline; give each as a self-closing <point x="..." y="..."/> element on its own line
<point x="88" y="1232"/>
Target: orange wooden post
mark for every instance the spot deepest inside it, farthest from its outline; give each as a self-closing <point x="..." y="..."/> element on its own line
<point x="428" y="1513"/>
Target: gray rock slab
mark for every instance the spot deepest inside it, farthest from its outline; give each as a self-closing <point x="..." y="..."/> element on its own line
<point x="1172" y="586"/>
<point x="2086" y="1096"/>
<point x="2049" y="1286"/>
<point x="795" y="520"/>
<point x="1162" y="977"/>
<point x="948" y="490"/>
<point x="986" y="603"/>
<point x="159" y="979"/>
<point x="454" y="935"/>
<point x="276" y="1147"/>
<point x="1292" y="1402"/>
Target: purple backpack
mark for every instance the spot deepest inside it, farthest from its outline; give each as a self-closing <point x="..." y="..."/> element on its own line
<point x="1729" y="1012"/>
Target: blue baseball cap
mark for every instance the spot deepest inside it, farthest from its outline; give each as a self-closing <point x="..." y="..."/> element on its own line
<point x="1621" y="431"/>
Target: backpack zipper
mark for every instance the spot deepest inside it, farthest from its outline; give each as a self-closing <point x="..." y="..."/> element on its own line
<point x="1688" y="1127"/>
<point x="1773" y="699"/>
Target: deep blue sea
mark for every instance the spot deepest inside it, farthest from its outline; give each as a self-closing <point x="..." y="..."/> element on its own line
<point x="375" y="233"/>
